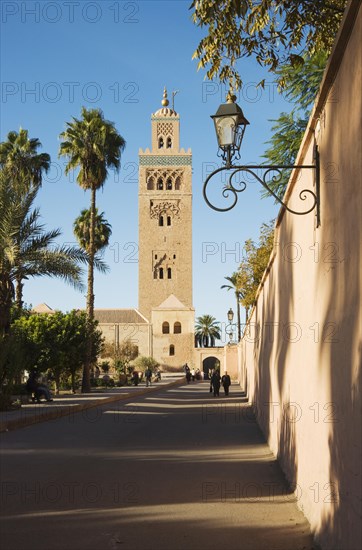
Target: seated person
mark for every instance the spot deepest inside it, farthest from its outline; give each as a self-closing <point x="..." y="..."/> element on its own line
<point x="33" y="387"/>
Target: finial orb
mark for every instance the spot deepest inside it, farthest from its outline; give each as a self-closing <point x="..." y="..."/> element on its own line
<point x="165" y="101"/>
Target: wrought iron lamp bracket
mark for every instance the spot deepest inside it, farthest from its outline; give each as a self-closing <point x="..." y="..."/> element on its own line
<point x="230" y="188"/>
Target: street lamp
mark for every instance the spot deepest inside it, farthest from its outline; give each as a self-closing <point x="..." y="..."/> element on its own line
<point x="230" y="315"/>
<point x="230" y="124"/>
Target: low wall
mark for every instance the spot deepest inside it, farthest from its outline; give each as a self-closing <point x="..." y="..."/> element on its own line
<point x="300" y="359"/>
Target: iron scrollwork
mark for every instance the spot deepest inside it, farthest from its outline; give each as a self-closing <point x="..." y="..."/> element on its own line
<point x="231" y="189"/>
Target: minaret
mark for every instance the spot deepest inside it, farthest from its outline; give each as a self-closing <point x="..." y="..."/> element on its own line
<point x="165" y="215"/>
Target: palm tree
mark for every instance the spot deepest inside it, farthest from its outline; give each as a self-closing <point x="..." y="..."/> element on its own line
<point x="207" y="331"/>
<point x="81" y="229"/>
<point x="27" y="250"/>
<point x="93" y="145"/>
<point x="235" y="285"/>
<point x="20" y="159"/>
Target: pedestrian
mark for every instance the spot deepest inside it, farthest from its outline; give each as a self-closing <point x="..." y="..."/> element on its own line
<point x="148" y="376"/>
<point x="215" y="381"/>
<point x="188" y="373"/>
<point x="226" y="382"/>
<point x="210" y="373"/>
<point x="193" y="373"/>
<point x="135" y="378"/>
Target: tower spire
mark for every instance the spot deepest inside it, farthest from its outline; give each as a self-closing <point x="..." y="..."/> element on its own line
<point x="165" y="101"/>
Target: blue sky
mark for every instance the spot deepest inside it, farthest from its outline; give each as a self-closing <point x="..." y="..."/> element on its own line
<point x="57" y="56"/>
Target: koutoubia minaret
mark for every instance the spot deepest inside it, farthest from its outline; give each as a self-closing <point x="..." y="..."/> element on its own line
<point x="165" y="215"/>
<point x="165" y="241"/>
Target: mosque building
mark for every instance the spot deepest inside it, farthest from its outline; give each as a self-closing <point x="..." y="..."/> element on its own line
<point x="162" y="326"/>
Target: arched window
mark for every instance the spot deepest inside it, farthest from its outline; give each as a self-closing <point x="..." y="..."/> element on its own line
<point x="177" y="328"/>
<point x="178" y="183"/>
<point x="174" y="256"/>
<point x="165" y="328"/>
<point x="172" y="349"/>
<point x="168" y="220"/>
<point x="161" y="272"/>
<point x="169" y="184"/>
<point x="160" y="142"/>
<point x="169" y="273"/>
<point x="160" y="221"/>
<point x="160" y="184"/>
<point x="151" y="183"/>
<point x="169" y="143"/>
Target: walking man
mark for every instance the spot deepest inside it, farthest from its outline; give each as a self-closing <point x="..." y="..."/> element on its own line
<point x="226" y="382"/>
<point x="148" y="376"/>
<point x="215" y="381"/>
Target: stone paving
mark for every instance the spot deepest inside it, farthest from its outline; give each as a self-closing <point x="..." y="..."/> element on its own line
<point x="175" y="469"/>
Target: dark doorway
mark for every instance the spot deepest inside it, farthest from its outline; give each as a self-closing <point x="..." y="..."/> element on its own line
<point x="208" y="364"/>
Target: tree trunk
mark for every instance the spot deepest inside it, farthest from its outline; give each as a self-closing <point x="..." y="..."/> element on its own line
<point x="19" y="293"/>
<point x="86" y="388"/>
<point x="72" y="377"/>
<point x="238" y="313"/>
<point x="57" y="383"/>
<point x="6" y="296"/>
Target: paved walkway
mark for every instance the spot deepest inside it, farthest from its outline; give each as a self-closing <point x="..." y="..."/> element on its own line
<point x="70" y="404"/>
<point x="171" y="469"/>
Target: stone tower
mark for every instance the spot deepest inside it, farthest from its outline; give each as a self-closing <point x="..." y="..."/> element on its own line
<point x="165" y="215"/>
<point x="165" y="240"/>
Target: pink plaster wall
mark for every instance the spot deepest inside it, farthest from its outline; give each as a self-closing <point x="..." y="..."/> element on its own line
<point x="301" y="358"/>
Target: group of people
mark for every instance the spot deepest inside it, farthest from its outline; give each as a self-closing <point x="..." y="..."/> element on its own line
<point x="191" y="374"/>
<point x="148" y="376"/>
<point x="216" y="381"/>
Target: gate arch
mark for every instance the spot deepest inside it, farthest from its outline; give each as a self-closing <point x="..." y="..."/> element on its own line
<point x="208" y="364"/>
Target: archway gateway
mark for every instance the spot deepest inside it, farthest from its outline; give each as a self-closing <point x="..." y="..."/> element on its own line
<point x="208" y="364"/>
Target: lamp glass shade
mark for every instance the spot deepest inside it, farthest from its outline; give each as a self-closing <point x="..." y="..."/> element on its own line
<point x="230" y="126"/>
<point x="230" y="315"/>
<point x="226" y="133"/>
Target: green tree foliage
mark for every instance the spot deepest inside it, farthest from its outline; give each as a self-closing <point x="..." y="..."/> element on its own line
<point x="207" y="331"/>
<point x="27" y="250"/>
<point x="20" y="160"/>
<point x="127" y="352"/>
<point x="102" y="232"/>
<point x="251" y="269"/>
<point x="93" y="145"/>
<point x="57" y="343"/>
<point x="24" y="166"/>
<point x="274" y="32"/>
<point x="301" y="86"/>
<point x="13" y="355"/>
<point x="142" y="363"/>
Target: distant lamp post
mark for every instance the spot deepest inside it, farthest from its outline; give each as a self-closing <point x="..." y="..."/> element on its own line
<point x="230" y="326"/>
<point x="230" y="124"/>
